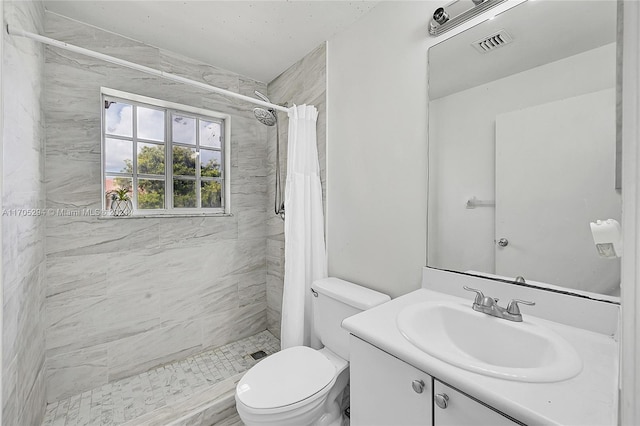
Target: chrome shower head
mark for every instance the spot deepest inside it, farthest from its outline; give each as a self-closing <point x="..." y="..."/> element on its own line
<point x="267" y="117"/>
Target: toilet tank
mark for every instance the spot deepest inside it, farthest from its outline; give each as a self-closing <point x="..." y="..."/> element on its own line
<point x="336" y="300"/>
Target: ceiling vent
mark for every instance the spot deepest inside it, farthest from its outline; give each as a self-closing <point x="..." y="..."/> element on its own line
<point x="492" y="42"/>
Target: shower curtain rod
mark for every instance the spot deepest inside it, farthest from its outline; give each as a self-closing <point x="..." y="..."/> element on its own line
<point x="138" y="67"/>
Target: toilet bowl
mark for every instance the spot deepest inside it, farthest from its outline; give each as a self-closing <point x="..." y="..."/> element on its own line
<point x="301" y="386"/>
<point x="297" y="386"/>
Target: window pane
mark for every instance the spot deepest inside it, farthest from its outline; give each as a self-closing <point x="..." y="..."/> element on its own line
<point x="150" y="159"/>
<point x="184" y="129"/>
<point x="150" y="124"/>
<point x="118" y="156"/>
<point x="150" y="194"/>
<point x="146" y="158"/>
<point x="111" y="183"/>
<point x="184" y="193"/>
<point x="211" y="194"/>
<point x="210" y="163"/>
<point x="184" y="161"/>
<point x="118" y="119"/>
<point x="210" y="132"/>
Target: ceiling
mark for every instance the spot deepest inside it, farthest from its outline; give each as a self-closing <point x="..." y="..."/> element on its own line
<point x="257" y="39"/>
<point x="542" y="32"/>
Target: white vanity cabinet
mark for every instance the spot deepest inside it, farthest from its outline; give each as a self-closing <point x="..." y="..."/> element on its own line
<point x="387" y="391"/>
<point x="452" y="408"/>
<point x="382" y="389"/>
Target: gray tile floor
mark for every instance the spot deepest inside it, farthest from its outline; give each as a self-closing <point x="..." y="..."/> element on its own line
<point x="123" y="400"/>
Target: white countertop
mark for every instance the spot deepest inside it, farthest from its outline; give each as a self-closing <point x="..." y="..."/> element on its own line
<point x="590" y="398"/>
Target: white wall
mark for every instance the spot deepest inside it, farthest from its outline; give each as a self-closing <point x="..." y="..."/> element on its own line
<point x="377" y="146"/>
<point x="2" y="36"/>
<point x="377" y="149"/>
<point x="630" y="338"/>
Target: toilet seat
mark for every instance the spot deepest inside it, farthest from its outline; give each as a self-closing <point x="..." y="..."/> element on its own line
<point x="306" y="373"/>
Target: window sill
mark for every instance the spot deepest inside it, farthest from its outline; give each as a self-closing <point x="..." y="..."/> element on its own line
<point x="164" y="215"/>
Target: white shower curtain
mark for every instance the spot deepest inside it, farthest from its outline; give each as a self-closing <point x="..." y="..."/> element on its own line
<point x="304" y="249"/>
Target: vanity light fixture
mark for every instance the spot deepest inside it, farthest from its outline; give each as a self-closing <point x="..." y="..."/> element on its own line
<point x="458" y="12"/>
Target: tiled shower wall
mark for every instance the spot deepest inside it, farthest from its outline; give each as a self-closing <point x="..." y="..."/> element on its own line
<point x="305" y="82"/>
<point x="23" y="256"/>
<point x="125" y="295"/>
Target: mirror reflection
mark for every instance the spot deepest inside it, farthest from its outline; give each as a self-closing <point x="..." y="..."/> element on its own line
<point x="522" y="145"/>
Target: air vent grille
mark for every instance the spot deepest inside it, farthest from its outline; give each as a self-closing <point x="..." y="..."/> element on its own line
<point x="492" y="42"/>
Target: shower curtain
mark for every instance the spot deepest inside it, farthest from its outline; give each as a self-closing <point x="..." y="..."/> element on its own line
<point x="304" y="249"/>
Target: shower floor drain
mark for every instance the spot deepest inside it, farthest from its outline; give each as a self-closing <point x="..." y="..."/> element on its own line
<point x="258" y="355"/>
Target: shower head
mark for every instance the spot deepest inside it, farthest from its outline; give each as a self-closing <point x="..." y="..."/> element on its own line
<point x="261" y="96"/>
<point x="267" y="117"/>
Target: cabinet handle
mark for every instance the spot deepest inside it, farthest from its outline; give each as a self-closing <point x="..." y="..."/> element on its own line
<point x="418" y="386"/>
<point x="442" y="400"/>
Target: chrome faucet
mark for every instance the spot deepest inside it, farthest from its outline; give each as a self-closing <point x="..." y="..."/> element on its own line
<point x="489" y="305"/>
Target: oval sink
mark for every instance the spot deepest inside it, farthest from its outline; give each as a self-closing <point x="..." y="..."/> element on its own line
<point x="458" y="335"/>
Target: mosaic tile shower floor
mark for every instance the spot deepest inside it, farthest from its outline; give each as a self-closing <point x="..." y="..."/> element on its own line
<point x="126" y="399"/>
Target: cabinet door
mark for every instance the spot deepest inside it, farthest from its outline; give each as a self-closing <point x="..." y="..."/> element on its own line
<point x="463" y="411"/>
<point x="382" y="389"/>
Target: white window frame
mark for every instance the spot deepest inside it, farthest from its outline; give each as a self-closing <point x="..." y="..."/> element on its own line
<point x="169" y="108"/>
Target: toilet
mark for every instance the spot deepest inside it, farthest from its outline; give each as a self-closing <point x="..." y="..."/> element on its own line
<point x="303" y="386"/>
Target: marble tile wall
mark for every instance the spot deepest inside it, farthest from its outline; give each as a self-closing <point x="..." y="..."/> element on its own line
<point x="124" y="296"/>
<point x="305" y="82"/>
<point x="23" y="252"/>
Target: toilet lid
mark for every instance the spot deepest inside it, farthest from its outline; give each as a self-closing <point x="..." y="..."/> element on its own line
<point x="285" y="378"/>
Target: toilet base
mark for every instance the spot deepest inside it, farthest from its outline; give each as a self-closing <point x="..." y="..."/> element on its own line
<point x="332" y="418"/>
<point x="324" y="410"/>
<point x="334" y="411"/>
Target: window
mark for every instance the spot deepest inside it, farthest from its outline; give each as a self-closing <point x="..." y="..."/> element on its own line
<point x="170" y="158"/>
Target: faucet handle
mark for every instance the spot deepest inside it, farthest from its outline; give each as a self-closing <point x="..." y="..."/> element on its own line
<point x="479" y="295"/>
<point x="514" y="309"/>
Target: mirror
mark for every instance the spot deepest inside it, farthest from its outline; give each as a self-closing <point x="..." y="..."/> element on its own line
<point x="522" y="146"/>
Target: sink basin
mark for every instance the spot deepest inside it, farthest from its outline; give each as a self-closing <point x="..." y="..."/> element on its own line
<point x="458" y="335"/>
